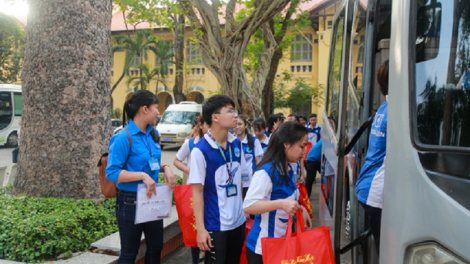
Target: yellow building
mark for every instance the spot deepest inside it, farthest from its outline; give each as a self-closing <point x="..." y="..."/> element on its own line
<point x="308" y="59"/>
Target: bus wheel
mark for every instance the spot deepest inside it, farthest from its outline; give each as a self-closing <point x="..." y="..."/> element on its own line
<point x="12" y="140"/>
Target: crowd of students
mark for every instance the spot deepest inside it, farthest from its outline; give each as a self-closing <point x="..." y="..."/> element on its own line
<point x="235" y="174"/>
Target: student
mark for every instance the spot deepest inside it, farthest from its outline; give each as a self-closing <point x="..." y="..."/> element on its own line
<point x="313" y="165"/>
<point x="303" y="121"/>
<point x="293" y="117"/>
<point x="273" y="195"/>
<point x="370" y="182"/>
<point x="185" y="153"/>
<point x="274" y="121"/>
<point x="259" y="126"/>
<point x="314" y="131"/>
<point x="251" y="148"/>
<point x="140" y="164"/>
<point x="216" y="165"/>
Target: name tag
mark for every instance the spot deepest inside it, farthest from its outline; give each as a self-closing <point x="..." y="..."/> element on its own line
<point x="154" y="165"/>
<point x="245" y="177"/>
<point x="231" y="190"/>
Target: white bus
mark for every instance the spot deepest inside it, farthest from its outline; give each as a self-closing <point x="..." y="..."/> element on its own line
<point x="426" y="203"/>
<point x="10" y="113"/>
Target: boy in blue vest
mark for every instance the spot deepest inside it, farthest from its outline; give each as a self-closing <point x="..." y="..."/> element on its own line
<point x="217" y="161"/>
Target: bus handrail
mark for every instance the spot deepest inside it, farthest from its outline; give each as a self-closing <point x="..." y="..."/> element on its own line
<point x="358" y="134"/>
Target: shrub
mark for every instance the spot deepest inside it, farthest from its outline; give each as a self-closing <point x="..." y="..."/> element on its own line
<point x="37" y="229"/>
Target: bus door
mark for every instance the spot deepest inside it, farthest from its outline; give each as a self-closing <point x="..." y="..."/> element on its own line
<point x="334" y="118"/>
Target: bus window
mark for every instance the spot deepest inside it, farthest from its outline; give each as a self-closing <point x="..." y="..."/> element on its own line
<point x="5" y="109"/>
<point x="18" y="103"/>
<point x="334" y="81"/>
<point x="442" y="75"/>
<point x="357" y="46"/>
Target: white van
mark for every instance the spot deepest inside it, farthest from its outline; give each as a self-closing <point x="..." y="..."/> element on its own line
<point x="178" y="122"/>
<point x="10" y="114"/>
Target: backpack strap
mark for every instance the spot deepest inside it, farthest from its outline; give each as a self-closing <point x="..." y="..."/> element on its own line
<point x="130" y="138"/>
<point x="191" y="144"/>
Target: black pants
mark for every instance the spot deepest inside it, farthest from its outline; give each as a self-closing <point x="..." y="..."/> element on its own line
<point x="373" y="218"/>
<point x="253" y="258"/>
<point x="130" y="233"/>
<point x="226" y="246"/>
<point x="312" y="168"/>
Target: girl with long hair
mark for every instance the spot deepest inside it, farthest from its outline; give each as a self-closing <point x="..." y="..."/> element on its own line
<point x="273" y="194"/>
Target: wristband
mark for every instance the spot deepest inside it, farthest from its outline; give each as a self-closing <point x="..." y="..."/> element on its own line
<point x="141" y="175"/>
<point x="163" y="167"/>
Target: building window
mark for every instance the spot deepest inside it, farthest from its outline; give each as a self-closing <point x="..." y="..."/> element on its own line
<point x="193" y="54"/>
<point x="136" y="61"/>
<point x="165" y="46"/>
<point x="302" y="48"/>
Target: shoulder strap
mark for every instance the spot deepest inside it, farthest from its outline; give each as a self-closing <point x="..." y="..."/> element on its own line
<point x="130" y="138"/>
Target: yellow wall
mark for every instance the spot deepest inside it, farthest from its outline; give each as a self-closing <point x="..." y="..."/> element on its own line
<point x="208" y="82"/>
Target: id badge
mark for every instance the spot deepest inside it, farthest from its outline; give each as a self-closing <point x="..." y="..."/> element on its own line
<point x="154" y="165"/>
<point x="245" y="177"/>
<point x="231" y="190"/>
<point x="295" y="177"/>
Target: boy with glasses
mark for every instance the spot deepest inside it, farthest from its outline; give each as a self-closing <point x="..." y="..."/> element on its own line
<point x="217" y="161"/>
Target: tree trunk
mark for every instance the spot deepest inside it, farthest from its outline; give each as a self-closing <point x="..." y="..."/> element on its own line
<point x="223" y="52"/>
<point x="268" y="89"/>
<point x="66" y="91"/>
<point x="179" y="58"/>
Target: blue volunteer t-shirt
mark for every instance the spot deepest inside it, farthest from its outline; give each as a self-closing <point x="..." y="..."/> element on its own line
<point x="315" y="152"/>
<point x="370" y="183"/>
<point x="314" y="134"/>
<point x="136" y="159"/>
<point x="267" y="187"/>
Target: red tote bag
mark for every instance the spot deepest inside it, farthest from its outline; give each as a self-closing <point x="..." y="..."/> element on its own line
<point x="184" y="206"/>
<point x="248" y="226"/>
<point x="304" y="199"/>
<point x="305" y="246"/>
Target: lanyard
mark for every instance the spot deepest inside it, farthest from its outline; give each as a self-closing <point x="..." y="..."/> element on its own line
<point x="230" y="176"/>
<point x="148" y="145"/>
<point x="298" y="168"/>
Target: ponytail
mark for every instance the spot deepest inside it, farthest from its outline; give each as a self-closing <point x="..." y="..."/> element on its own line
<point x="135" y="102"/>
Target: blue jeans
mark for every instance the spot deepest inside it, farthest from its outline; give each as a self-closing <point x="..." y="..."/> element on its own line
<point x="131" y="233"/>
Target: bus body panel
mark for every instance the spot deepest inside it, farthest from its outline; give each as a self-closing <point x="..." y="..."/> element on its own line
<point x="415" y="209"/>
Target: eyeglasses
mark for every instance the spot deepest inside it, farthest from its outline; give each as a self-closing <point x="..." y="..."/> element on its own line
<point x="231" y="111"/>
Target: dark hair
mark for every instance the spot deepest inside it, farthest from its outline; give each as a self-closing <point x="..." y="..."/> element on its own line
<point x="197" y="131"/>
<point x="214" y="104"/>
<point x="312" y="115"/>
<point x="295" y="116"/>
<point x="259" y="124"/>
<point x="135" y="102"/>
<point x="382" y="77"/>
<point x="271" y="120"/>
<point x="303" y="117"/>
<point x="290" y="133"/>
<point x="249" y="136"/>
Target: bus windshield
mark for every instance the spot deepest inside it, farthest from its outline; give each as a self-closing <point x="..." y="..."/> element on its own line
<point x="178" y="117"/>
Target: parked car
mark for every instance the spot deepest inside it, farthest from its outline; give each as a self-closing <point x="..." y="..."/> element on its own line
<point x="177" y="122"/>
